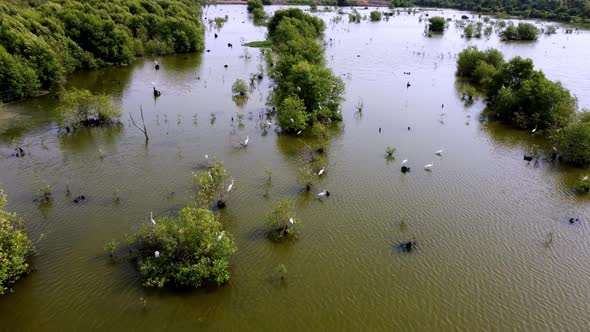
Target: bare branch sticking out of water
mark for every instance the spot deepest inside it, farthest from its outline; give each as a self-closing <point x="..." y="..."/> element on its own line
<point x="144" y="130"/>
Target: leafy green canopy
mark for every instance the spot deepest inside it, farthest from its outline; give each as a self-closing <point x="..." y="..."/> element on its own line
<point x="516" y="93"/>
<point x="80" y="108"/>
<point x="437" y="24"/>
<point x="524" y="31"/>
<point x="573" y="143"/>
<point x="43" y="42"/>
<point x="14" y="247"/>
<point x="306" y="90"/>
<point x="189" y="250"/>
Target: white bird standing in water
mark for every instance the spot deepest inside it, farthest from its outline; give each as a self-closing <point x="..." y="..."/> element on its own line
<point x="220" y="236"/>
<point x="428" y="167"/>
<point x="299" y="132"/>
<point x="157" y="254"/>
<point x="404" y="161"/>
<point x="245" y="142"/>
<point x="231" y="185"/>
<point x="152" y="218"/>
<point x="585" y="178"/>
<point x="439" y="152"/>
<point x="291" y="221"/>
<point x="206" y="156"/>
<point x="321" y="172"/>
<point x="323" y="194"/>
<point x="535" y="129"/>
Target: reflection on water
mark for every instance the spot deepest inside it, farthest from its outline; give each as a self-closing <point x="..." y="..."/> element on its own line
<point x="481" y="218"/>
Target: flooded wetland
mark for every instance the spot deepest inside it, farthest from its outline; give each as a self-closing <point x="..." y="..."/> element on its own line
<point x="481" y="218"/>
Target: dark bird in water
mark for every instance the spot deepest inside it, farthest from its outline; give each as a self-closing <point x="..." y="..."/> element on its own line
<point x="380" y="130"/>
<point x="528" y="158"/>
<point x="225" y="66"/>
<point x="572" y="220"/>
<point x="215" y="35"/>
<point x="408" y="85"/>
<point x="408" y="128"/>
<point x="407" y="246"/>
<point x="79" y="199"/>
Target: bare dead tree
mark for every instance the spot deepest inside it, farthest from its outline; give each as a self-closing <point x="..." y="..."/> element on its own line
<point x="360" y="105"/>
<point x="144" y="130"/>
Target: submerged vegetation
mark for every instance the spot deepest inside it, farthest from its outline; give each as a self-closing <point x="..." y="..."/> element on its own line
<point x="306" y="90"/>
<point x="81" y="108"/>
<point x="188" y="250"/>
<point x="282" y="221"/>
<point x="41" y="42"/>
<point x="524" y="31"/>
<point x="523" y="97"/>
<point x="15" y="246"/>
<point x="437" y="24"/>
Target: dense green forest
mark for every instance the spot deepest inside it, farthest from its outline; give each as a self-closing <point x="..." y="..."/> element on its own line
<point x="563" y="10"/>
<point x="42" y="41"/>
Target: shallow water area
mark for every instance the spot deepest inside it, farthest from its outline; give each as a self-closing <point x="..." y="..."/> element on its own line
<point x="480" y="218"/>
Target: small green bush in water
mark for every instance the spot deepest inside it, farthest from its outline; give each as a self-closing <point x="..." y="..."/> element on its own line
<point x="573" y="143"/>
<point x="375" y="15"/>
<point x="524" y="31"/>
<point x="437" y="24"/>
<point x="283" y="221"/>
<point x="80" y="108"/>
<point x="239" y="87"/>
<point x="190" y="250"/>
<point x="389" y="151"/>
<point x="14" y="248"/>
<point x="211" y="185"/>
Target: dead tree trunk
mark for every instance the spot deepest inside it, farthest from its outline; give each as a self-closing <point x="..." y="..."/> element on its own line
<point x="144" y="130"/>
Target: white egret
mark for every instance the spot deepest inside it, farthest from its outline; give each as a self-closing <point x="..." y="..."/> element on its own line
<point x="220" y="236"/>
<point x="231" y="185"/>
<point x="322" y="194"/>
<point x="534" y="129"/>
<point x="210" y="176"/>
<point x="291" y="221"/>
<point x="245" y="142"/>
<point x="268" y="123"/>
<point x="439" y="152"/>
<point x="299" y="132"/>
<point x="157" y="254"/>
<point x="206" y="156"/>
<point x="404" y="161"/>
<point x="321" y="171"/>
<point x="152" y="218"/>
<point x="585" y="178"/>
<point x="292" y="121"/>
<point x="428" y="167"/>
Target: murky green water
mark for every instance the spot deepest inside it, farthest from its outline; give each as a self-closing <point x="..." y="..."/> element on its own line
<point x="480" y="218"/>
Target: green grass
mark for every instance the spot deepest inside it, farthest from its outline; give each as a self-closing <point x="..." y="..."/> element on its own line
<point x="260" y="43"/>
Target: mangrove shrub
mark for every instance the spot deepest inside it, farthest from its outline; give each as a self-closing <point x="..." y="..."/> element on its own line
<point x="81" y="108"/>
<point x="42" y="41"/>
<point x="517" y="93"/>
<point x="437" y="24"/>
<point x="189" y="250"/>
<point x="283" y="221"/>
<point x="14" y="247"/>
